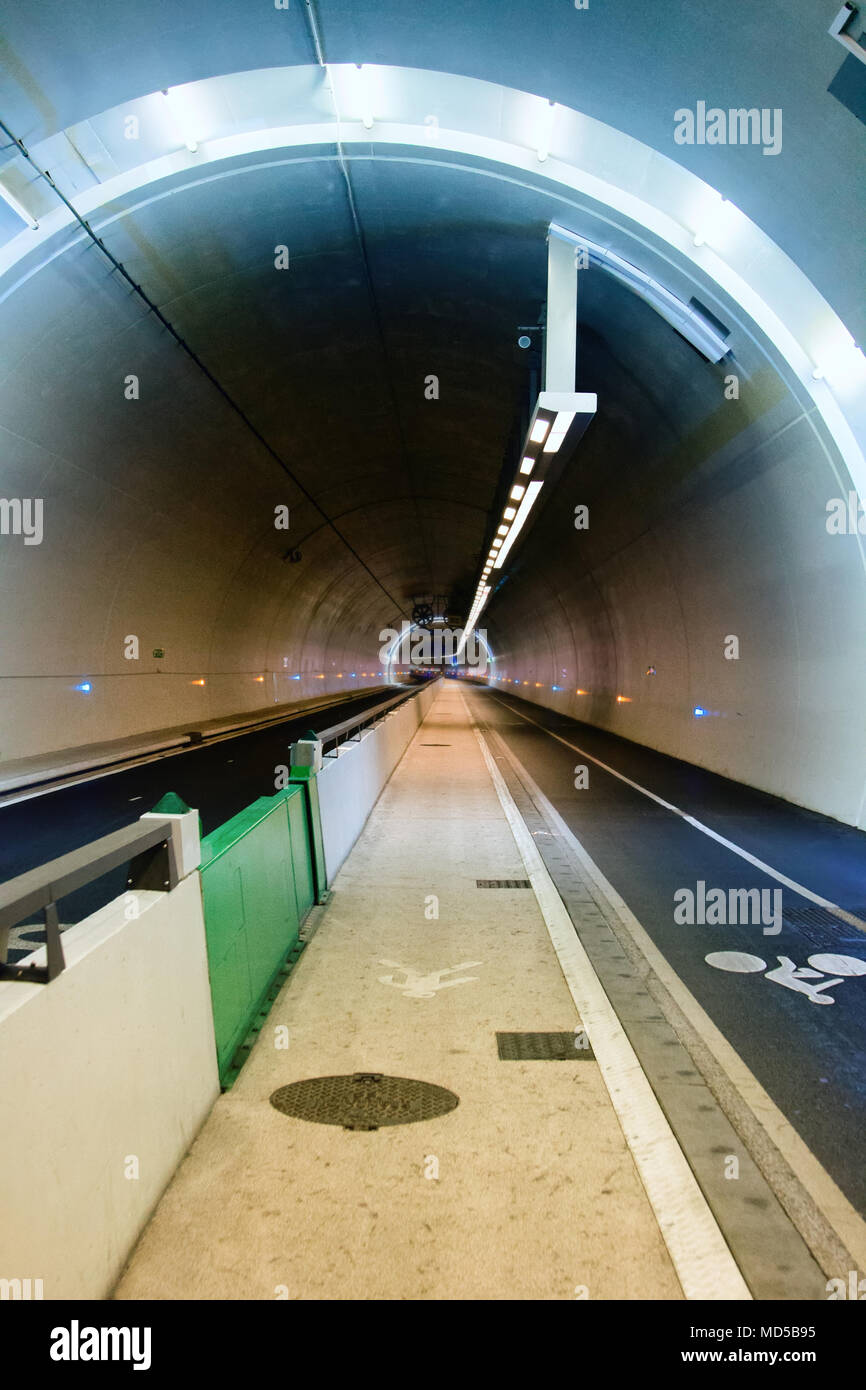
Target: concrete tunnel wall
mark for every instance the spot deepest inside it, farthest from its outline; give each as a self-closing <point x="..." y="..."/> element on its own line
<point x="714" y="529"/>
<point x="707" y="519"/>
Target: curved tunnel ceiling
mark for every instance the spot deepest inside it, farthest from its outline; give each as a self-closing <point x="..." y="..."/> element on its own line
<point x="707" y="514"/>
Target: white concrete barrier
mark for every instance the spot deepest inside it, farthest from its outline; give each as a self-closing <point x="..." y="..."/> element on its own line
<point x="351" y="781"/>
<point x="107" y="1074"/>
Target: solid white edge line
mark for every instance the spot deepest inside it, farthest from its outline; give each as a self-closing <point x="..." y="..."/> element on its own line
<point x="834" y="1206"/>
<point x="704" y="1265"/>
<point x="699" y="825"/>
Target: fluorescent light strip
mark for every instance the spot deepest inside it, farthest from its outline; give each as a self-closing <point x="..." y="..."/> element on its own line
<point x="561" y="426"/>
<point x="473" y="618"/>
<point x="516" y="526"/>
<point x="527" y="465"/>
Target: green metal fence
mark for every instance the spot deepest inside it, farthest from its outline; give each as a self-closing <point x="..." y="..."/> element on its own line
<point x="258" y="884"/>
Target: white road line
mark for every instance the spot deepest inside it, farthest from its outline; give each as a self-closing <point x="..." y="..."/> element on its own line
<point x="704" y="1265"/>
<point x="829" y="1199"/>
<point x="699" y="825"/>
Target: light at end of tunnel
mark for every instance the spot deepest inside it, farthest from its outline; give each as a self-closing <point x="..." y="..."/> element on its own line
<point x="527" y="465"/>
<point x="623" y="699"/>
<point x="85" y="687"/>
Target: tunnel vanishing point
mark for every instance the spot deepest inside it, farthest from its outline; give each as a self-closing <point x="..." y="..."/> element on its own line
<point x="432" y="518"/>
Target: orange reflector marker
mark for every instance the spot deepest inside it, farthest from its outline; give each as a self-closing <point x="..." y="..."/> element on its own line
<point x="581" y="692"/>
<point x="198" y="682"/>
<point x="623" y="699"/>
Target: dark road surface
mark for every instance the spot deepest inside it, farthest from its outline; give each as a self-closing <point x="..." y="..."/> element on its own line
<point x="809" y="1056"/>
<point x="218" y="780"/>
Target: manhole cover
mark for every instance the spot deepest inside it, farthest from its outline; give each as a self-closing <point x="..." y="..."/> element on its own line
<point x="367" y="1100"/>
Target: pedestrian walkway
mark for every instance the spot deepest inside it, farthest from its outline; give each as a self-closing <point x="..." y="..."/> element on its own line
<point x="527" y="1190"/>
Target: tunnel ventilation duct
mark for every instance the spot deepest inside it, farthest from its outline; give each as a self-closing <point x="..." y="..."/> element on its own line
<point x="681" y="316"/>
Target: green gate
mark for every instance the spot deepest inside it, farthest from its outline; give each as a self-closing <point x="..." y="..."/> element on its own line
<point x="257" y="888"/>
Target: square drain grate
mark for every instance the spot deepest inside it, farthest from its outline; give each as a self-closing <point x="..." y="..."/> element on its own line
<point x="823" y="928"/>
<point x="544" y="1047"/>
<point x="502" y="883"/>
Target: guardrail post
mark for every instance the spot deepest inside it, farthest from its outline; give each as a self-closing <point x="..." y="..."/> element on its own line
<point x="306" y="761"/>
<point x="184" y="853"/>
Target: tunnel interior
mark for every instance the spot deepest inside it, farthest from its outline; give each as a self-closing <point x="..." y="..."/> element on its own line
<point x="336" y="343"/>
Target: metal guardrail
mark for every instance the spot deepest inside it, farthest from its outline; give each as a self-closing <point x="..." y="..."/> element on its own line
<point x="350" y="727"/>
<point x="149" y="850"/>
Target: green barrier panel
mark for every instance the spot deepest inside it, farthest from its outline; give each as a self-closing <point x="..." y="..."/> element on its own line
<point x="305" y="778"/>
<point x="257" y="888"/>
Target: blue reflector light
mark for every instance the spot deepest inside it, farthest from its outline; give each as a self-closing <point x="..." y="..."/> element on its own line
<point x="85" y="687"/>
<point x="698" y="712"/>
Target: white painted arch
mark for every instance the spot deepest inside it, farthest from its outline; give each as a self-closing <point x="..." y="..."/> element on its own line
<point x="653" y="207"/>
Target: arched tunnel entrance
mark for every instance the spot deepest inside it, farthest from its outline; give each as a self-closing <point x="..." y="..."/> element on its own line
<point x="375" y="384"/>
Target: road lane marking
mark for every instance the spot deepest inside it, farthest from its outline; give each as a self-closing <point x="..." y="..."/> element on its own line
<point x="699" y="825"/>
<point x="829" y="1200"/>
<point x="700" y="1255"/>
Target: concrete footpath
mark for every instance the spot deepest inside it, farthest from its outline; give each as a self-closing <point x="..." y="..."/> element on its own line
<point x="527" y="1190"/>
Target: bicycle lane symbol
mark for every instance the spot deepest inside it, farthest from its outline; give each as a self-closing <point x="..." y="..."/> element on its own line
<point x="831" y="970"/>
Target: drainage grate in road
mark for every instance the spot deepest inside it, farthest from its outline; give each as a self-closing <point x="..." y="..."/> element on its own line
<point x="823" y="928"/>
<point x="502" y="883"/>
<point x="544" y="1047"/>
<point x="367" y="1100"/>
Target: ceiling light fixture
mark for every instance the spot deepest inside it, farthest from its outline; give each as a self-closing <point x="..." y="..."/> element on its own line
<point x="519" y="521"/>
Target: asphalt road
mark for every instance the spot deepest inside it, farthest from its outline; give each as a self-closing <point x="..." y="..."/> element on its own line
<point x="810" y="1057"/>
<point x="218" y="780"/>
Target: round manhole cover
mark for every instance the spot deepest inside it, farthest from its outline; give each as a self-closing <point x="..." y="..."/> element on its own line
<point x="367" y="1100"/>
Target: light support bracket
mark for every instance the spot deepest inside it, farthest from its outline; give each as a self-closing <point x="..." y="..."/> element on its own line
<point x="687" y="321"/>
<point x="837" y="31"/>
<point x="560" y="412"/>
